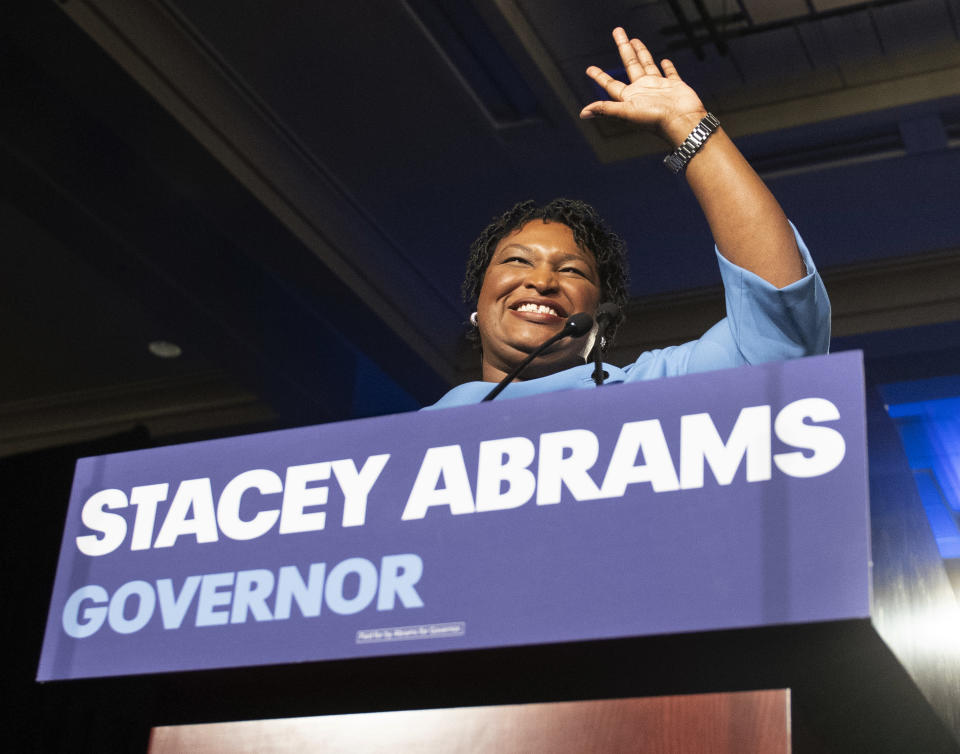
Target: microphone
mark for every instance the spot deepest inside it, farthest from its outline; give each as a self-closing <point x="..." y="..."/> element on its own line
<point x="576" y="326"/>
<point x="605" y="315"/>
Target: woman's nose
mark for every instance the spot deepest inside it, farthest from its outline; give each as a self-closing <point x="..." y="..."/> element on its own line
<point x="542" y="278"/>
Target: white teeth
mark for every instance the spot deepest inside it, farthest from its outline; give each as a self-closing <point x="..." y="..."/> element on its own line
<point x="537" y="308"/>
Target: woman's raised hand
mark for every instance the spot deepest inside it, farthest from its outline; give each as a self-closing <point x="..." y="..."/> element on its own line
<point x="747" y="223"/>
<point x="655" y="100"/>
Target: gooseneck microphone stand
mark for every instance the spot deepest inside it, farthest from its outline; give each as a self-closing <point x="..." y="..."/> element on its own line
<point x="576" y="326"/>
<point x="605" y="314"/>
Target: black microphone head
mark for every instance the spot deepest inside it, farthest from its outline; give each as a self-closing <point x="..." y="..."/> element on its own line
<point x="607" y="311"/>
<point x="578" y="325"/>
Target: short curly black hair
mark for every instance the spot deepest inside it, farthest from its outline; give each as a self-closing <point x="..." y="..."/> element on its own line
<point x="589" y="231"/>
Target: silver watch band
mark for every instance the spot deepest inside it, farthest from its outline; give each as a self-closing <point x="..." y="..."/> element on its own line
<point x="677" y="160"/>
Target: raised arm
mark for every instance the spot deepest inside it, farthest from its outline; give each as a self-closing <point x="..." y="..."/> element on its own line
<point x="748" y="225"/>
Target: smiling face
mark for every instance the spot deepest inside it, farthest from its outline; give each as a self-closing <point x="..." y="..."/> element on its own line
<point x="537" y="277"/>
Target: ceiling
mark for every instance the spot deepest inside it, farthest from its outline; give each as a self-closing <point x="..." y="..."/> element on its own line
<point x="287" y="190"/>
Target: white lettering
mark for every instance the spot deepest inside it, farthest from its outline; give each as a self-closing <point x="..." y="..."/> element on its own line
<point x="146" y="498"/>
<point x="228" y="509"/>
<point x="646" y="436"/>
<point x="501" y="461"/>
<point x="297" y="496"/>
<point x="700" y="441"/>
<point x="446" y="462"/>
<point x="506" y="478"/>
<point x="556" y="468"/>
<point x="356" y="486"/>
<point x="193" y="496"/>
<point x="827" y="444"/>
<point x="112" y="526"/>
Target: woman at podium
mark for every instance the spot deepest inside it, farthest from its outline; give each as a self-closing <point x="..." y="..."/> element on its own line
<point x="535" y="266"/>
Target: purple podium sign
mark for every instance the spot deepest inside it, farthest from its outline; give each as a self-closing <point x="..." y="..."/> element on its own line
<point x="724" y="500"/>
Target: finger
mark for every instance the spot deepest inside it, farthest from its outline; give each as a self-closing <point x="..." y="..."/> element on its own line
<point x="603" y="108"/>
<point x="609" y="84"/>
<point x="669" y="69"/>
<point x="645" y="58"/>
<point x="628" y="55"/>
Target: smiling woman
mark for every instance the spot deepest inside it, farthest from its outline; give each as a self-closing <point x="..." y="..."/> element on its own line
<point x="536" y="279"/>
<point x="535" y="266"/>
<point x="531" y="273"/>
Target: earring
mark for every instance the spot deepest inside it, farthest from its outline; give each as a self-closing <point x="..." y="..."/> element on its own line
<point x="474" y="321"/>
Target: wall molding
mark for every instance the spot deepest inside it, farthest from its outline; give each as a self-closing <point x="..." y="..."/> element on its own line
<point x="166" y="407"/>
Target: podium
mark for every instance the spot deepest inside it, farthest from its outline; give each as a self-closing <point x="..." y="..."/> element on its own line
<point x="676" y="539"/>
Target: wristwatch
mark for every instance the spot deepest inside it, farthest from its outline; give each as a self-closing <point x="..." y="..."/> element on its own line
<point x="677" y="160"/>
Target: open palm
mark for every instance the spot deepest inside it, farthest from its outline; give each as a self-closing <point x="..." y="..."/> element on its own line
<point x="653" y="99"/>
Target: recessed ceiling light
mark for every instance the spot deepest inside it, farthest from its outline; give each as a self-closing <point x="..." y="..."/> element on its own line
<point x="164" y="349"/>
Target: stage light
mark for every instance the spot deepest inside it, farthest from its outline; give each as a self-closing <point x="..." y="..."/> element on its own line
<point x="164" y="349"/>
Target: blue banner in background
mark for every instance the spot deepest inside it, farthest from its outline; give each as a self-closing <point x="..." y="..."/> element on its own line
<point x="721" y="500"/>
